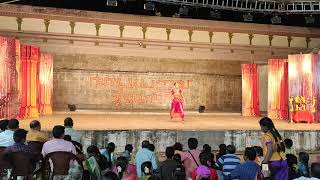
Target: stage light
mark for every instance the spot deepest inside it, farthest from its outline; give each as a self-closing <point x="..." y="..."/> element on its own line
<point x="276" y="19"/>
<point x="310" y="19"/>
<point x="247" y="17"/>
<point x="112" y="3"/>
<point x="149" y="6"/>
<point x="183" y="11"/>
<point x="215" y="14"/>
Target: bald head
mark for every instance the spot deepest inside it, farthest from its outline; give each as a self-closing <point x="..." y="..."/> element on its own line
<point x="35" y="125"/>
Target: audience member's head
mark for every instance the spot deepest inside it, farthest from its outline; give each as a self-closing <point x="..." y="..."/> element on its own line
<point x="151" y="147"/>
<point x="179" y="173"/>
<point x="20" y="135"/>
<point x="231" y="149"/>
<point x="4" y="124"/>
<point x="110" y="176"/>
<point x="67" y="138"/>
<point x="93" y="150"/>
<point x="206" y="148"/>
<point x="35" y="125"/>
<point x="58" y="132"/>
<point x="315" y="170"/>
<point x="68" y="122"/>
<point x="178" y="146"/>
<point x="288" y="143"/>
<point x="121" y="165"/>
<point x="259" y="150"/>
<point x="192" y="143"/>
<point x="205" y="159"/>
<point x="304" y="157"/>
<point x="222" y="148"/>
<point x="169" y="152"/>
<point x="145" y="144"/>
<point x="292" y="160"/>
<point x="177" y="158"/>
<point x="250" y="154"/>
<point x="146" y="168"/>
<point x="13" y="124"/>
<point x="111" y="147"/>
<point x="129" y="148"/>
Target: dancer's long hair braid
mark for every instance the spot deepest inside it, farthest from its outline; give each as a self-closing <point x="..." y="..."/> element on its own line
<point x="267" y="122"/>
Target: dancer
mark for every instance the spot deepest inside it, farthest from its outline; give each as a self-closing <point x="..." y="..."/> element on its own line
<point x="177" y="103"/>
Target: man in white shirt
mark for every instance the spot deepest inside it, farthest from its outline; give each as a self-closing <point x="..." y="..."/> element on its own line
<point x="6" y="137"/>
<point x="75" y="135"/>
<point x="315" y="173"/>
<point x="58" y="143"/>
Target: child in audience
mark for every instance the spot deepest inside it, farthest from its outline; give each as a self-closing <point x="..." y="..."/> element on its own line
<point x="228" y="162"/>
<point x="146" y="169"/>
<point x="288" y="143"/>
<point x="303" y="165"/>
<point x="259" y="152"/>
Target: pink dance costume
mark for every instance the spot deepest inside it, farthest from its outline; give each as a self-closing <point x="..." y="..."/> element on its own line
<point x="177" y="104"/>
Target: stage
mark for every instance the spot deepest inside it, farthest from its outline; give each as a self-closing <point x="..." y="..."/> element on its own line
<point x="160" y="120"/>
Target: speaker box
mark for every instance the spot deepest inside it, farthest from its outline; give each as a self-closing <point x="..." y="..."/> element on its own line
<point x="72" y="107"/>
<point x="201" y="109"/>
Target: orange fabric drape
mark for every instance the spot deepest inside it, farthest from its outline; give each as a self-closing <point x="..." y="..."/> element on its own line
<point x="46" y="84"/>
<point x="250" y="90"/>
<point x="8" y="79"/>
<point x="278" y="89"/>
<point x="30" y="56"/>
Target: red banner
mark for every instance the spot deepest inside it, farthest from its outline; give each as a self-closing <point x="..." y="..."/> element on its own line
<point x="250" y="90"/>
<point x="304" y="87"/>
<point x="278" y="89"/>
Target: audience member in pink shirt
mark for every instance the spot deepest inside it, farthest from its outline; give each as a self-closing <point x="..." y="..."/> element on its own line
<point x="124" y="170"/>
<point x="190" y="158"/>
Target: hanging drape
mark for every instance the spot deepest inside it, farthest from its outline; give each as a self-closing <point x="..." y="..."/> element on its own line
<point x="304" y="87"/>
<point x="8" y="79"/>
<point x="278" y="89"/>
<point x="46" y="84"/>
<point x="250" y="93"/>
<point x="29" y="65"/>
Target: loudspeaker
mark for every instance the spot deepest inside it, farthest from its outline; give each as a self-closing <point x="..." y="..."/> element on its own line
<point x="72" y="107"/>
<point x="201" y="109"/>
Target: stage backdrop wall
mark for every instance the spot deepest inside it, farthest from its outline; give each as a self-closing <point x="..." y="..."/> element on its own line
<point x="141" y="83"/>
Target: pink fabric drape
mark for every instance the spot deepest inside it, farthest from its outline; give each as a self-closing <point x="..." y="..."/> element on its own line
<point x="278" y="89"/>
<point x="304" y="87"/>
<point x="8" y="78"/>
<point x="45" y="84"/>
<point x="250" y="90"/>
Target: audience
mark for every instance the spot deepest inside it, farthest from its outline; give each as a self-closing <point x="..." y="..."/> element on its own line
<point x="93" y="151"/>
<point x="178" y="146"/>
<point x="152" y="147"/>
<point x="190" y="158"/>
<point x="35" y="133"/>
<point x="3" y="125"/>
<point x="146" y="170"/>
<point x="303" y="165"/>
<point x="58" y="143"/>
<point x="110" y="176"/>
<point x="124" y="170"/>
<point x="228" y="162"/>
<point x="204" y="170"/>
<point x="315" y="173"/>
<point x="108" y="153"/>
<point x="167" y="167"/>
<point x="144" y="155"/>
<point x="292" y="164"/>
<point x="6" y="137"/>
<point x="128" y="152"/>
<point x="259" y="152"/>
<point x="289" y="147"/>
<point x="249" y="169"/>
<point x="68" y="124"/>
<point x="222" y="150"/>
<point x="76" y="144"/>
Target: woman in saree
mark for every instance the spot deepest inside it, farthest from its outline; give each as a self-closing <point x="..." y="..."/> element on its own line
<point x="177" y="103"/>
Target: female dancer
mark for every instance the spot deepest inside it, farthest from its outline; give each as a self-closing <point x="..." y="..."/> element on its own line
<point x="177" y="103"/>
<point x="273" y="150"/>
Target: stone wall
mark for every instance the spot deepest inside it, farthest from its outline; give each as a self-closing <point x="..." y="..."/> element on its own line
<point x="144" y="83"/>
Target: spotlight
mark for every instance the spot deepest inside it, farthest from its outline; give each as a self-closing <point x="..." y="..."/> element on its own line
<point x="215" y="14"/>
<point x="276" y="20"/>
<point x="184" y="11"/>
<point x="112" y="3"/>
<point x="247" y="17"/>
<point x="149" y="6"/>
<point x="310" y="19"/>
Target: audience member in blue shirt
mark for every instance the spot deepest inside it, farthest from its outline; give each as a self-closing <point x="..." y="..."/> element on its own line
<point x="228" y="162"/>
<point x="144" y="155"/>
<point x="6" y="137"/>
<point x="108" y="153"/>
<point x="249" y="169"/>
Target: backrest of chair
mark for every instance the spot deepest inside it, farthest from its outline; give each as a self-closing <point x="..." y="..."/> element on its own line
<point x="60" y="162"/>
<point x="36" y="146"/>
<point x="21" y="162"/>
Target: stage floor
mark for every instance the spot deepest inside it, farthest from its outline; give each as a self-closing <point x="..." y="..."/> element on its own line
<point x="97" y="120"/>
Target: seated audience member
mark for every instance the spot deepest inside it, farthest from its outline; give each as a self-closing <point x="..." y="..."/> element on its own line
<point x="144" y="155"/>
<point x="58" y="143"/>
<point x="259" y="152"/>
<point x="68" y="124"/>
<point x="76" y="144"/>
<point x="178" y="146"/>
<point x="35" y="133"/>
<point x="292" y="164"/>
<point x="6" y="137"/>
<point x="146" y="170"/>
<point x="128" y="152"/>
<point x="222" y="150"/>
<point x="190" y="158"/>
<point x="3" y="125"/>
<point x="167" y="167"/>
<point x="229" y="161"/>
<point x="206" y="148"/>
<point x="288" y="143"/>
<point x="152" y="147"/>
<point x="102" y="161"/>
<point x="303" y="165"/>
<point x="249" y="169"/>
<point x="92" y="169"/>
<point x="315" y="173"/>
<point x="110" y="176"/>
<point x="204" y="171"/>
<point x="108" y="153"/>
<point x="124" y="170"/>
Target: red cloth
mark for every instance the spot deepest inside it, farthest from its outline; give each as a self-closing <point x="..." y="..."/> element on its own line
<point x="213" y="174"/>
